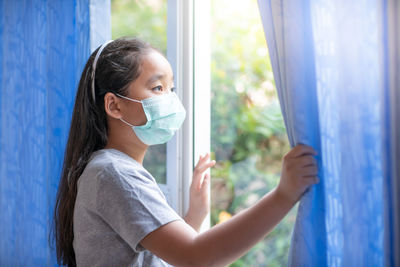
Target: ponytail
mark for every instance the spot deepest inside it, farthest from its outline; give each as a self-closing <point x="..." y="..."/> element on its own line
<point x="118" y="65"/>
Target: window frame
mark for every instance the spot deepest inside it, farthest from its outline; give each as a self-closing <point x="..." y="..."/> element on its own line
<point x="188" y="28"/>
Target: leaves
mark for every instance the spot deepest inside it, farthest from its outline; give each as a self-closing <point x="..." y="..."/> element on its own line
<point x="248" y="135"/>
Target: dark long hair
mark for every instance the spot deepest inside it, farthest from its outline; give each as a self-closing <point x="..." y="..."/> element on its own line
<point x="118" y="65"/>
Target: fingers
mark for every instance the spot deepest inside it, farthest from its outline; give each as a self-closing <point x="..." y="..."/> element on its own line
<point x="204" y="158"/>
<point x="299" y="171"/>
<point x="301" y="160"/>
<point x="305" y="161"/>
<point x="202" y="165"/>
<point x="309" y="171"/>
<point x="309" y="180"/>
<point x="204" y="185"/>
<point x="301" y="150"/>
<point x="300" y="164"/>
<point x="198" y="181"/>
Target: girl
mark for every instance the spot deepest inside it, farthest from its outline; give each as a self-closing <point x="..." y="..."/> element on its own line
<point x="109" y="209"/>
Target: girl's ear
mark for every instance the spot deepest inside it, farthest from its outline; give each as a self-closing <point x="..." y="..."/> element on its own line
<point x="112" y="105"/>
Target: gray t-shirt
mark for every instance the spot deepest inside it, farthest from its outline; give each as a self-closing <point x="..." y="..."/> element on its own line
<point x="117" y="205"/>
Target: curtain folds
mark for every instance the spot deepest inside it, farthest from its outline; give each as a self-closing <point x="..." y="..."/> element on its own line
<point x="287" y="23"/>
<point x="44" y="46"/>
<point x="392" y="188"/>
<point x="330" y="60"/>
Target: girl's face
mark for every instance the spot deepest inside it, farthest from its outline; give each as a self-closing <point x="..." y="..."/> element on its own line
<point x="156" y="78"/>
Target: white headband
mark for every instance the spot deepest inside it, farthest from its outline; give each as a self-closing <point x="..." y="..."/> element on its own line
<point x="94" y="66"/>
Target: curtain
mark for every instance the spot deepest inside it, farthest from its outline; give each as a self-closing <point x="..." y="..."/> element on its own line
<point x="332" y="66"/>
<point x="44" y="46"/>
<point x="392" y="179"/>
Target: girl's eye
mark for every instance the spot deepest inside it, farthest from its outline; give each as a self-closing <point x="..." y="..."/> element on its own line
<point x="157" y="88"/>
<point x="173" y="89"/>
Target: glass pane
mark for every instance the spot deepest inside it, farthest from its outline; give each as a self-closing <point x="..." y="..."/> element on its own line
<point x="155" y="162"/>
<point x="148" y="21"/>
<point x="248" y="136"/>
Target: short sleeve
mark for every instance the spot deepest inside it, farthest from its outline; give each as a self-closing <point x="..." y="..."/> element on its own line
<point x="133" y="205"/>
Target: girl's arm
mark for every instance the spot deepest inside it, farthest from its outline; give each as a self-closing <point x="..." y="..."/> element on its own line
<point x="199" y="205"/>
<point x="178" y="244"/>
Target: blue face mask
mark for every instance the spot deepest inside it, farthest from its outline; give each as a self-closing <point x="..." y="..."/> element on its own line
<point x="165" y="115"/>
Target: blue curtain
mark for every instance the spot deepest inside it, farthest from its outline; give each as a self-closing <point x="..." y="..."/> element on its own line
<point x="392" y="122"/>
<point x="331" y="66"/>
<point x="44" y="46"/>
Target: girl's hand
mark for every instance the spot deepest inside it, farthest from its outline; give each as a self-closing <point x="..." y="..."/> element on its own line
<point x="199" y="205"/>
<point x="178" y="244"/>
<point x="299" y="171"/>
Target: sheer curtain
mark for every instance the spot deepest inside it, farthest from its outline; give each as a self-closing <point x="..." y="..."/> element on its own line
<point x="331" y="61"/>
<point x="392" y="179"/>
<point x="44" y="46"/>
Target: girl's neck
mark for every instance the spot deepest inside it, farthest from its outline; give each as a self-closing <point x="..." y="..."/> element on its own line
<point x="136" y="154"/>
<point x="133" y="148"/>
<point x="122" y="138"/>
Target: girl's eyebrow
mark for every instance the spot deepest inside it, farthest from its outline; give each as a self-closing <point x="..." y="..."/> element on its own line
<point x="156" y="77"/>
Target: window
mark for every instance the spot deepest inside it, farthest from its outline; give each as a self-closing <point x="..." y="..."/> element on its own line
<point x="165" y="25"/>
<point x="248" y="136"/>
<point x="224" y="79"/>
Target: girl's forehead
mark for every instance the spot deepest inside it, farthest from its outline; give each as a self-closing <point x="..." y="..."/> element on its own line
<point x="155" y="65"/>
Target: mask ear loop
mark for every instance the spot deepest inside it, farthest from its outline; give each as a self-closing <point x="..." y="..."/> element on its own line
<point x="124" y="120"/>
<point x="127" y="122"/>
<point x="94" y="67"/>
<point x="127" y="98"/>
<point x="134" y="100"/>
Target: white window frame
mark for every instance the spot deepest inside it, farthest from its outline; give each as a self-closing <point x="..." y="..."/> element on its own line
<point x="188" y="51"/>
<point x="202" y="82"/>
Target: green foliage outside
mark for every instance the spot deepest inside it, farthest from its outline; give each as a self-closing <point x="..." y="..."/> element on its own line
<point x="248" y="136"/>
<point x="146" y="19"/>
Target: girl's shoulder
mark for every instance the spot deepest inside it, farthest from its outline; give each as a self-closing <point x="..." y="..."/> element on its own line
<point x="112" y="155"/>
<point x="111" y="165"/>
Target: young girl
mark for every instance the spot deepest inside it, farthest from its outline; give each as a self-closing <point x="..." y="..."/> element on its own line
<point x="110" y="210"/>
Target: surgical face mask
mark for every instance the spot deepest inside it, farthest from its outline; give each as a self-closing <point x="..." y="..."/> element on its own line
<point x="165" y="115"/>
